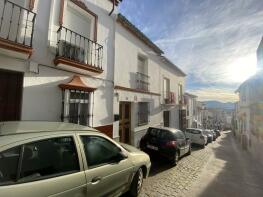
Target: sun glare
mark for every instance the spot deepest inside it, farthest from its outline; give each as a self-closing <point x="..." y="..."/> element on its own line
<point x="242" y="68"/>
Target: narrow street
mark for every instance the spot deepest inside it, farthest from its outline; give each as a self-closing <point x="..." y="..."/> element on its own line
<point x="221" y="169"/>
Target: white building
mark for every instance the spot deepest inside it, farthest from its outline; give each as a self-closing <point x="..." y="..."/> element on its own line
<point x="148" y="87"/>
<point x="191" y="110"/>
<point x="56" y="61"/>
<point x="78" y="61"/>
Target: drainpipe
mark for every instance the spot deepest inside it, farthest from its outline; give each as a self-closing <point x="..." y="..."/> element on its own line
<point x="113" y="6"/>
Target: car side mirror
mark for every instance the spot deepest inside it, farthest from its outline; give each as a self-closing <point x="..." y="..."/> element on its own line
<point x="120" y="156"/>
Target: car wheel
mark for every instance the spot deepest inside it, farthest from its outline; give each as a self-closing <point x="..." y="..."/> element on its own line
<point x="176" y="158"/>
<point x="189" y="151"/>
<point x="203" y="145"/>
<point x="137" y="182"/>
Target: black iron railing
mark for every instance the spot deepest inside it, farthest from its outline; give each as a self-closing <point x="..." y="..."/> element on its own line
<point x="76" y="47"/>
<point x="16" y="23"/>
<point x="168" y="97"/>
<point x="142" y="81"/>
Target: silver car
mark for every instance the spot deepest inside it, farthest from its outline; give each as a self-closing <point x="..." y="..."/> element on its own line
<point x="62" y="159"/>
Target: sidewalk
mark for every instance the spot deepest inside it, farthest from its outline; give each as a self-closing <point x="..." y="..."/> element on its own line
<point x="231" y="172"/>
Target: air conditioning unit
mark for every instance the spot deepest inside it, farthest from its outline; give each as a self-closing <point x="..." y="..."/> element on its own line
<point x="71" y="51"/>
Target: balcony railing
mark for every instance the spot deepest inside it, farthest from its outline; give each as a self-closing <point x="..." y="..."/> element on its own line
<point x="16" y="23"/>
<point x="142" y="81"/>
<point x="75" y="47"/>
<point x="168" y="98"/>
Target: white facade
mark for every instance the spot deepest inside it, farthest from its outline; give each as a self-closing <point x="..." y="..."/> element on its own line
<point x="78" y="50"/>
<point x="130" y="51"/>
<point x="41" y="97"/>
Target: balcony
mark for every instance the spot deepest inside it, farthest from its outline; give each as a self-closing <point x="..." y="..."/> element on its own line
<point x="78" y="53"/>
<point x="168" y="98"/>
<point x="142" y="81"/>
<point x="16" y="30"/>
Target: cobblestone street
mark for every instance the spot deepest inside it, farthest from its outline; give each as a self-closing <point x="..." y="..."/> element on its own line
<point x="165" y="180"/>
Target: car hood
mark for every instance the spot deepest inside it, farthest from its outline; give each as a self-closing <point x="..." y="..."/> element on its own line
<point x="138" y="157"/>
<point x="130" y="149"/>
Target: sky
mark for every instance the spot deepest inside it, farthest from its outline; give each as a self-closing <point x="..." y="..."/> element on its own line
<point x="213" y="41"/>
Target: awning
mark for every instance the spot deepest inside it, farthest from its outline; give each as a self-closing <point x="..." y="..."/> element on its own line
<point x="76" y="84"/>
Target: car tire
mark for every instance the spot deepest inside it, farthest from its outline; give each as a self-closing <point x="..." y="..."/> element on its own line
<point x="203" y="146"/>
<point x="176" y="158"/>
<point x="189" y="151"/>
<point x="136" y="185"/>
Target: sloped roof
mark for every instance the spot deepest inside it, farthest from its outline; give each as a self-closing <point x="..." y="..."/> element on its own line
<point x="136" y="32"/>
<point x="169" y="62"/>
<point x="76" y="84"/>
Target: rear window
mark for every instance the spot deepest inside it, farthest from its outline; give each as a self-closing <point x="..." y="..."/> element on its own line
<point x="153" y="132"/>
<point x="196" y="131"/>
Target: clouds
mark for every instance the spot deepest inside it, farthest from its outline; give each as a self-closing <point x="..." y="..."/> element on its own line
<point x="205" y="38"/>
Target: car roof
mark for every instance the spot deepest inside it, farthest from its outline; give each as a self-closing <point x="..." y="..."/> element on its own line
<point x="11" y="132"/>
<point x="166" y="128"/>
<point x="195" y="129"/>
<point x="19" y="127"/>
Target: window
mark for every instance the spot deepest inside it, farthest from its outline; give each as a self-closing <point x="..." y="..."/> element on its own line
<point x="76" y="107"/>
<point x="49" y="157"/>
<point x="142" y="74"/>
<point x="166" y="135"/>
<point x="153" y="132"/>
<point x="41" y="159"/>
<point x="143" y="113"/>
<point x="196" y="131"/>
<point x="166" y="88"/>
<point x="180" y="93"/>
<point x="8" y="165"/>
<point x="180" y="135"/>
<point x="99" y="151"/>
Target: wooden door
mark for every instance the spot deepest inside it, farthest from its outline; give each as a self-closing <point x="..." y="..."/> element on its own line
<point x="11" y="86"/>
<point x="166" y="118"/>
<point x="125" y="122"/>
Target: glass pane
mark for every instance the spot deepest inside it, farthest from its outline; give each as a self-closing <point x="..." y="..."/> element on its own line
<point x="49" y="157"/>
<point x="99" y="150"/>
<point x="9" y="165"/>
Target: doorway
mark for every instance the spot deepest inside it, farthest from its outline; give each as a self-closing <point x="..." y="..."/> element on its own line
<point x="11" y="87"/>
<point x="166" y="118"/>
<point x="125" y="122"/>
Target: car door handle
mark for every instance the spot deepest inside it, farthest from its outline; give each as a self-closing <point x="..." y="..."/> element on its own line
<point x="95" y="180"/>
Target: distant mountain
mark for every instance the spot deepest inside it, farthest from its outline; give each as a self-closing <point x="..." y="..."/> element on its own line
<point x="219" y="105"/>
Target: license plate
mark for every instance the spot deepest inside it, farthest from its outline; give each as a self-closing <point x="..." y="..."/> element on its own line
<point x="152" y="147"/>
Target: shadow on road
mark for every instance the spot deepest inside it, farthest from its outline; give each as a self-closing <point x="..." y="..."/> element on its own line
<point x="160" y="164"/>
<point x="232" y="172"/>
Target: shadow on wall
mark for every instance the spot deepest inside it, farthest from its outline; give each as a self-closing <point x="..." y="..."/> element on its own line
<point x="240" y="174"/>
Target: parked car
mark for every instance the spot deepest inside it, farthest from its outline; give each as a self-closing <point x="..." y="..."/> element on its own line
<point x="209" y="135"/>
<point x="214" y="135"/>
<point x="196" y="136"/>
<point x="63" y="159"/>
<point x="217" y="133"/>
<point x="167" y="142"/>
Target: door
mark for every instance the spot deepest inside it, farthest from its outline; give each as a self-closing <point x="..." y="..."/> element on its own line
<point x="125" y="122"/>
<point x="11" y="86"/>
<point x="46" y="167"/>
<point x="166" y="118"/>
<point x="108" y="171"/>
